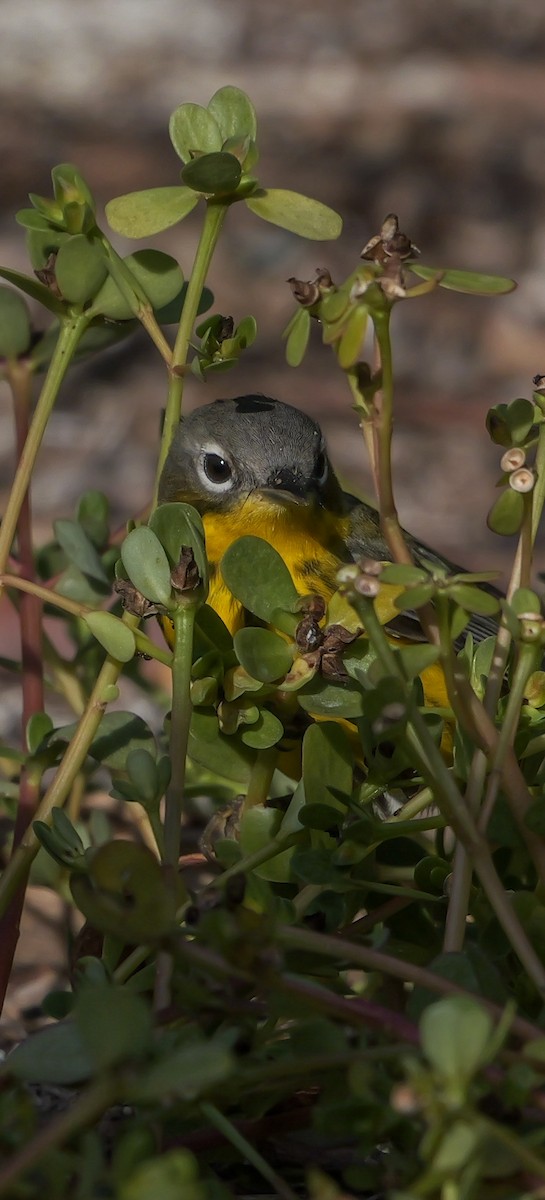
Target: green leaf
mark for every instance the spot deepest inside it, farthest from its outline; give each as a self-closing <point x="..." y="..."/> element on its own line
<point x="224" y="756"/>
<point x="507" y="513"/>
<point x="157" y="274"/>
<point x="415" y="659"/>
<point x="415" y="597"/>
<point x="118" y="734"/>
<point x="147" y="565"/>
<point x="524" y="600"/>
<point x="15" y="332"/>
<point x="455" y="1034"/>
<point x="258" y="577"/>
<point x="39" y="725"/>
<point x="297" y="335"/>
<point x="234" y="113"/>
<point x="54" y="1055"/>
<point x="258" y="827"/>
<point x="114" y="1023"/>
<point x="327" y="764"/>
<point x="471" y="282"/>
<point x="331" y="700"/>
<point x="79" y="549"/>
<point x="80" y="269"/>
<point x="351" y="342"/>
<point x="187" y="1071"/>
<point x="263" y="654"/>
<point x="127" y="890"/>
<point x="92" y="515"/>
<point x="299" y="214"/>
<point x="177" y="525"/>
<point x="172" y="1176"/>
<point x="213" y="174"/>
<point x="70" y="187"/>
<point x="142" y="214"/>
<point x="32" y="287"/>
<point x="144" y="774"/>
<point x="405" y="575"/>
<point x="473" y="599"/>
<point x="267" y="731"/>
<point x="194" y="129"/>
<point x="116" y="637"/>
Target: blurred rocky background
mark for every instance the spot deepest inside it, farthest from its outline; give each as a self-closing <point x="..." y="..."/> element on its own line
<point x="434" y="111"/>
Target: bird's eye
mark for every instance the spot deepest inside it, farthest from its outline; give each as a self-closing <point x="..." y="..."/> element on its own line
<point x="320" y="467"/>
<point x="216" y="468"/>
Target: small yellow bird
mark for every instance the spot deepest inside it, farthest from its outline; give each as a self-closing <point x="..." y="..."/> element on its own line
<point x="254" y="465"/>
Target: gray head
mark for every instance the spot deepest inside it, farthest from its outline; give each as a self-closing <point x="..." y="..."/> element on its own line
<point x="230" y="448"/>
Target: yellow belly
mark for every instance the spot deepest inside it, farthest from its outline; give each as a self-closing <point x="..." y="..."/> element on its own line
<point x="311" y="545"/>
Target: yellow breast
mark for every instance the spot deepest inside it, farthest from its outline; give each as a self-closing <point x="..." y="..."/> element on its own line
<point x="312" y="545"/>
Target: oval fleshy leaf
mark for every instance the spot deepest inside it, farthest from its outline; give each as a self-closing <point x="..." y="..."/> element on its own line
<point x="141" y="214"/>
<point x="506" y="515"/>
<point x="234" y="113"/>
<point x="79" y="549"/>
<point x="299" y="214"/>
<point x="267" y="731"/>
<point x="147" y="565"/>
<point x="257" y="576"/>
<point x="177" y="525"/>
<point x="158" y="274"/>
<point x="14" y="324"/>
<point x="225" y="756"/>
<point x="351" y="341"/>
<point x="258" y="827"/>
<point x="193" y="128"/>
<point x="263" y="654"/>
<point x="213" y="174"/>
<point x="474" y="600"/>
<point x="80" y="269"/>
<point x="116" y="637"/>
<point x="470" y="282"/>
<point x="297" y="335"/>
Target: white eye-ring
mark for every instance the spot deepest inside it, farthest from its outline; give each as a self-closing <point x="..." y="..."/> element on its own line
<point x="214" y="468"/>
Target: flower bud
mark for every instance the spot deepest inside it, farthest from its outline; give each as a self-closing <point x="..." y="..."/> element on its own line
<point x="512" y="459"/>
<point x="522" y="480"/>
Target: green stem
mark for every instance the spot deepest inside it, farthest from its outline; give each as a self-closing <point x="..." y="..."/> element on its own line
<point x="216" y="212"/>
<point x="136" y="298"/>
<point x="260" y="778"/>
<point x="246" y="1150"/>
<point x="369" y="959"/>
<point x="383" y="406"/>
<point x="538" y="493"/>
<point x="183" y="620"/>
<point x="533" y="1162"/>
<point x="87" y="1107"/>
<point x="67" y="771"/>
<point x="250" y="861"/>
<point x="528" y="662"/>
<point x="428" y="756"/>
<point x="144" y="644"/>
<point x="70" y="332"/>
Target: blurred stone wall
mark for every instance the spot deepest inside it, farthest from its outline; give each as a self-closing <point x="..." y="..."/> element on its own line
<point x="432" y="110"/>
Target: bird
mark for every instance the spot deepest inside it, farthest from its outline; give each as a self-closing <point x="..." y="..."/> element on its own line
<point x="256" y="465"/>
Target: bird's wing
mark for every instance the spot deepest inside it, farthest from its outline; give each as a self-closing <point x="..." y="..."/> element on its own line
<point x="365" y="540"/>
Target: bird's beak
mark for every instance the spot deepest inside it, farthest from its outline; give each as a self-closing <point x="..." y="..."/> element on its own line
<point x="285" y="488"/>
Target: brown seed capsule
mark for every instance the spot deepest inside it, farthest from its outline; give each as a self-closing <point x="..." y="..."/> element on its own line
<point x="522" y="480"/>
<point x="367" y="587"/>
<point x="512" y="459"/>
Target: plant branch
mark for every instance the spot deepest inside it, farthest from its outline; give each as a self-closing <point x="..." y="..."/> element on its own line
<point x="247" y="1151"/>
<point x="216" y="212"/>
<point x="70" y="332"/>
